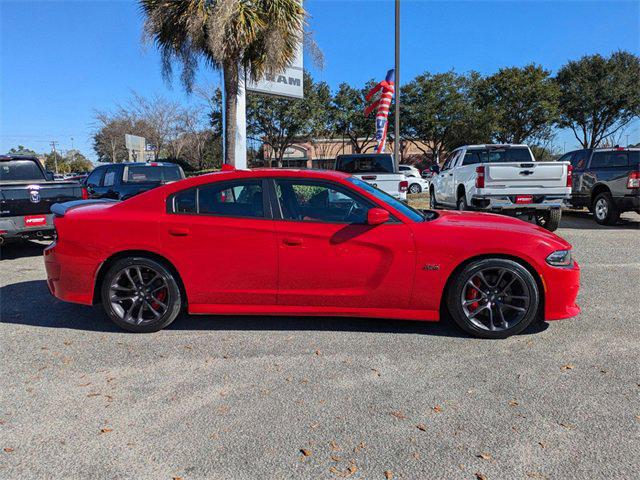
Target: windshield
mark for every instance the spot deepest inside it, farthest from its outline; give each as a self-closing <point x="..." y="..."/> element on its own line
<point x="365" y="164"/>
<point x="498" y="155"/>
<point x="20" y="170"/>
<point x="403" y="208"/>
<point x="144" y="173"/>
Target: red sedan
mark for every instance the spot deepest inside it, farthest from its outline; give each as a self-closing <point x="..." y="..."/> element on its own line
<point x="278" y="242"/>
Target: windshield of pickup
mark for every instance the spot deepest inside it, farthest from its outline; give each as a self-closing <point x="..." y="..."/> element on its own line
<point x="365" y="164"/>
<point x="153" y="173"/>
<point x="18" y="170"/>
<point x="403" y="208"/>
<point x="497" y="155"/>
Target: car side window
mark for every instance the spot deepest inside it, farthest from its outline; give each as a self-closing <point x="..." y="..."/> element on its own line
<point x="309" y="201"/>
<point x="94" y="179"/>
<point x="580" y="159"/>
<point x="609" y="159"/>
<point x="109" y="177"/>
<point x="227" y="199"/>
<point x="566" y="157"/>
<point x="471" y="157"/>
<point x="186" y="201"/>
<point x="449" y="161"/>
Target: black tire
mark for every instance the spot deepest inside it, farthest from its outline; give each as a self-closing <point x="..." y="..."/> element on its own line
<point x="121" y="293"/>
<point x="432" y="199"/>
<point x="462" y="203"/>
<point x="493" y="305"/>
<point x="604" y="210"/>
<point x="415" y="188"/>
<point x="549" y="219"/>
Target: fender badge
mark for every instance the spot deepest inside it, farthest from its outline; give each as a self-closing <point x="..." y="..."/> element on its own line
<point x="431" y="267"/>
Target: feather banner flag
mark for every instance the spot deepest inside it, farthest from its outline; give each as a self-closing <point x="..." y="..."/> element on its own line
<point x="382" y="94"/>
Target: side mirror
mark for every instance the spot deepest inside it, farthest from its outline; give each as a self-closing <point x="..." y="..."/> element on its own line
<point x="48" y="175"/>
<point x="377" y="216"/>
<point x="435" y="168"/>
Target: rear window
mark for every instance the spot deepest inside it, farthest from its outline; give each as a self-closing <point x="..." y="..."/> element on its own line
<point x="16" y="170"/>
<point x="614" y="158"/>
<point x="144" y="173"/>
<point x="365" y="164"/>
<point x="498" y="155"/>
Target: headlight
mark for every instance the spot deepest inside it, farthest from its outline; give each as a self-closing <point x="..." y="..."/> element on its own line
<point x="560" y="258"/>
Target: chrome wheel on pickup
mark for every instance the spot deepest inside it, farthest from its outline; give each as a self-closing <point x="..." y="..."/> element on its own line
<point x="494" y="298"/>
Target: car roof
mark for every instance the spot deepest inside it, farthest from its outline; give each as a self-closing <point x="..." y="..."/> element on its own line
<point x="18" y="157"/>
<point x="140" y="164"/>
<point x="495" y="145"/>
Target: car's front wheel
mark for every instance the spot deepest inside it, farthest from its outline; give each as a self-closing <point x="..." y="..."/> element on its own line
<point x="604" y="210"/>
<point x="415" y="188"/>
<point x="493" y="298"/>
<point x="432" y="199"/>
<point x="140" y="294"/>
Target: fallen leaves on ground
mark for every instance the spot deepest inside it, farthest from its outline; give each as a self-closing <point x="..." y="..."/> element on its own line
<point x="513" y="403"/>
<point x="399" y="414"/>
<point x="388" y="474"/>
<point x="421" y="426"/>
<point x="344" y="473"/>
<point x="335" y="458"/>
<point x="542" y="444"/>
<point x="106" y="430"/>
<point x="485" y="456"/>
<point x="568" y="426"/>
<point x="437" y="409"/>
<point x="305" y="452"/>
<point x="318" y="352"/>
<point x="568" y="366"/>
<point x="376" y="371"/>
<point x="359" y="447"/>
<point x="416" y="455"/>
<point x="334" y="446"/>
<point x="480" y="476"/>
<point x="8" y="449"/>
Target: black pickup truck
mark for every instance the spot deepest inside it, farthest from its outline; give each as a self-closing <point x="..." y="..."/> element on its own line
<point x="27" y="192"/>
<point x="119" y="181"/>
<point x="606" y="181"/>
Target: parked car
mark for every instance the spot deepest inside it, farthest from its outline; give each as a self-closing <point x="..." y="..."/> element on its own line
<point x="275" y="242"/>
<point x="27" y="192"/>
<point x="606" y="181"/>
<point x="504" y="179"/>
<point x="378" y="169"/>
<point x="416" y="183"/>
<point x="120" y="181"/>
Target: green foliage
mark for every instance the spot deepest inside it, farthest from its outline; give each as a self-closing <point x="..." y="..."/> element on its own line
<point x="599" y="95"/>
<point x="348" y="107"/>
<point x="22" y="150"/>
<point x="72" y="162"/>
<point x="521" y="103"/>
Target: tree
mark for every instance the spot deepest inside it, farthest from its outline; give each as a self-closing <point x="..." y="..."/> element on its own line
<point x="323" y="119"/>
<point x="22" y="150"/>
<point x="350" y="121"/>
<point x="235" y="36"/>
<point x="599" y="96"/>
<point x="108" y="139"/>
<point x="521" y="102"/>
<point x="278" y="122"/>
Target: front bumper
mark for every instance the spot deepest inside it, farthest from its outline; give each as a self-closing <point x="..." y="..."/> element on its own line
<point x="508" y="202"/>
<point x="14" y="228"/>
<point x="561" y="286"/>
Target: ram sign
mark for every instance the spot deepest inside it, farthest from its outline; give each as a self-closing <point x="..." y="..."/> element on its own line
<point x="286" y="84"/>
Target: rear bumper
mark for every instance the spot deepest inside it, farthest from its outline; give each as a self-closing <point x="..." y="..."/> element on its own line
<point x="561" y="287"/>
<point x="508" y="202"/>
<point x="69" y="278"/>
<point x="628" y="203"/>
<point x="14" y="228"/>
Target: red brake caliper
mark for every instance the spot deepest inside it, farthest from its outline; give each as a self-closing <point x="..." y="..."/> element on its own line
<point x="162" y="294"/>
<point x="472" y="294"/>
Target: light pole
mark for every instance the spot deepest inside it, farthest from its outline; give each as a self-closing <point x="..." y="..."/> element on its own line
<point x="396" y="141"/>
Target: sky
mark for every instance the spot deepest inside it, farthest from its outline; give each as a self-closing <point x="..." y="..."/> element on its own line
<point x="62" y="61"/>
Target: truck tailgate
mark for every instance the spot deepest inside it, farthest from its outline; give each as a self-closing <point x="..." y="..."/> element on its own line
<point x="31" y="198"/>
<point x="530" y="175"/>
<point x="388" y="182"/>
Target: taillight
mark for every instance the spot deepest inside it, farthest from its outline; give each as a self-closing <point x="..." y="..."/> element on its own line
<point x="634" y="180"/>
<point x="404" y="186"/>
<point x="85" y="193"/>
<point x="479" y="177"/>
<point x="569" y="176"/>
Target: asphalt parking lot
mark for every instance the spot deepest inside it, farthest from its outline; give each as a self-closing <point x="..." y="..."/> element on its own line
<point x="256" y="397"/>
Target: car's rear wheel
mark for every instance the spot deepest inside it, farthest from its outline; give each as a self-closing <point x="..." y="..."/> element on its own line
<point x="140" y="294"/>
<point x="415" y="188"/>
<point x="549" y="219"/>
<point x="462" y="203"/>
<point x="604" y="210"/>
<point x="493" y="298"/>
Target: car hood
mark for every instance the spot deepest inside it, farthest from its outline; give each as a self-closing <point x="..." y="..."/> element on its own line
<point x="489" y="223"/>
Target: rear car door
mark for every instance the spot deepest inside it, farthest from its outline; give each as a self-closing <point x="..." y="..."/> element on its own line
<point x="330" y="257"/>
<point x="222" y="239"/>
<point x="611" y="167"/>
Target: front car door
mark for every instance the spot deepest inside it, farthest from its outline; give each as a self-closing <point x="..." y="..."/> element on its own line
<point x="223" y="243"/>
<point x="94" y="182"/>
<point x="330" y="257"/>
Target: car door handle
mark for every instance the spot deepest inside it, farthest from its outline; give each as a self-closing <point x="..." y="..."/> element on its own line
<point x="179" y="232"/>
<point x="451" y="174"/>
<point x="292" y="241"/>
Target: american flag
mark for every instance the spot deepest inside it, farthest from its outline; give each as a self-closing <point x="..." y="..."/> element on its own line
<point x="383" y="93"/>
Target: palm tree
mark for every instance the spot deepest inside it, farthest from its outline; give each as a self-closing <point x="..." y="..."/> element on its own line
<point x="235" y="36"/>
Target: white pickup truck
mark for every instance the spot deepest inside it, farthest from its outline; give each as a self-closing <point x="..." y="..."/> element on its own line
<point x="377" y="169"/>
<point x="502" y="178"/>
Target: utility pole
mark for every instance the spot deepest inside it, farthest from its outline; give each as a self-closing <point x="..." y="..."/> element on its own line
<point x="396" y="142"/>
<point x="55" y="155"/>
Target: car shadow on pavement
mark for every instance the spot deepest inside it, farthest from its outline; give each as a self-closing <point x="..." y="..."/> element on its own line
<point x="12" y="251"/>
<point x="30" y="303"/>
<point x="583" y="220"/>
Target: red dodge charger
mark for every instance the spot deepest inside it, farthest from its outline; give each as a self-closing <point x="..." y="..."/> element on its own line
<point x="283" y="242"/>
